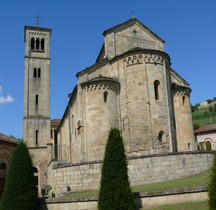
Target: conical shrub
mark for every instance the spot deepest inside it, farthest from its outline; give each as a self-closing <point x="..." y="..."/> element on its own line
<point x="20" y="187"/>
<point x="115" y="192"/>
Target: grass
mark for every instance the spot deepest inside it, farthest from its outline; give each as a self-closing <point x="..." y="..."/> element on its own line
<point x="202" y="117"/>
<point x="202" y="205"/>
<point x="193" y="181"/>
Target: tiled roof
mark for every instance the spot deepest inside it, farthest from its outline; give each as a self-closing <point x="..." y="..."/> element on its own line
<point x="7" y="138"/>
<point x="206" y="128"/>
<point x="55" y="121"/>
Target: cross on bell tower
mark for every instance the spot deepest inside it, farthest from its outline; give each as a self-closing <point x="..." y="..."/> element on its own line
<point x="37" y="21"/>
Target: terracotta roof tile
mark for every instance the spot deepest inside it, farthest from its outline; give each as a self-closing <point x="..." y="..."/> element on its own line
<point x="55" y="121"/>
<point x="206" y="128"/>
<point x="7" y="138"/>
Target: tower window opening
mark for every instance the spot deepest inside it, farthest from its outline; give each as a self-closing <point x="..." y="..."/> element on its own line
<point x="37" y="43"/>
<point x="32" y="43"/>
<point x="36" y="101"/>
<point x="42" y="44"/>
<point x="39" y="73"/>
<point x="36" y="137"/>
<point x="35" y="72"/>
<point x="105" y="96"/>
<point x="156" y="89"/>
<point x="161" y="136"/>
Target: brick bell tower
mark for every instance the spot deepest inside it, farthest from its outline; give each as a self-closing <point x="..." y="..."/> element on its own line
<point x="36" y="119"/>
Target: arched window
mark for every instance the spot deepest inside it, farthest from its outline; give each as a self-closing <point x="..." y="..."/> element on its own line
<point x="35" y="72"/>
<point x="161" y="136"/>
<point x="188" y="146"/>
<point x="32" y="43"/>
<point x="105" y="96"/>
<point x="208" y="145"/>
<point x="42" y="44"/>
<point x="156" y="89"/>
<point x="183" y="100"/>
<point x="37" y="43"/>
<point x="36" y="101"/>
<point x="36" y="137"/>
<point x="39" y="73"/>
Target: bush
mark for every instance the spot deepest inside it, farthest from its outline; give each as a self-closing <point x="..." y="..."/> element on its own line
<point x="20" y="188"/>
<point x="115" y="192"/>
<point x="212" y="186"/>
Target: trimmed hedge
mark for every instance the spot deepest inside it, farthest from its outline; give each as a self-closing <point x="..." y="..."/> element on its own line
<point x="115" y="192"/>
<point x="20" y="188"/>
<point x="212" y="186"/>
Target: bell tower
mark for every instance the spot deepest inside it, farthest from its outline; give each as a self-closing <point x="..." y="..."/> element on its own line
<point x="36" y="120"/>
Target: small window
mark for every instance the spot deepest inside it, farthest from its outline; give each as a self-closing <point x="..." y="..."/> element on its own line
<point x="35" y="72"/>
<point x="161" y="136"/>
<point x="105" y="96"/>
<point x="32" y="43"/>
<point x="39" y="73"/>
<point x="188" y="146"/>
<point x="51" y="133"/>
<point x="156" y="89"/>
<point x="37" y="43"/>
<point x="183" y="100"/>
<point x="42" y="44"/>
<point x="36" y="100"/>
<point x="36" y="137"/>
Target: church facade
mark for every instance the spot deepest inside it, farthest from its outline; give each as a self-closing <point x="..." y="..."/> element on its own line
<point x="131" y="86"/>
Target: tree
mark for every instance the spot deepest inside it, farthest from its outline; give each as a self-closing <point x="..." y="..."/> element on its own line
<point x="115" y="192"/>
<point x="20" y="188"/>
<point x="212" y="186"/>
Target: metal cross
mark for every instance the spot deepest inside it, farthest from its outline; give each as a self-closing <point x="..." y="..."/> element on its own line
<point x="133" y="13"/>
<point x="37" y="17"/>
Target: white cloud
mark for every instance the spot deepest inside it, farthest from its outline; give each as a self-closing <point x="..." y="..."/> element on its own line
<point x="5" y="99"/>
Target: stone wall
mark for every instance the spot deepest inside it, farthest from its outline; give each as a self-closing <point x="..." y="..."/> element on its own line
<point x="143" y="200"/>
<point x="142" y="170"/>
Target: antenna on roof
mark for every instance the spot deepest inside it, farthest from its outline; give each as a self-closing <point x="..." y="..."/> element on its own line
<point x="37" y="17"/>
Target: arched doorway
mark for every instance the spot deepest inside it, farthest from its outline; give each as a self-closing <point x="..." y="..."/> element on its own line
<point x="3" y="172"/>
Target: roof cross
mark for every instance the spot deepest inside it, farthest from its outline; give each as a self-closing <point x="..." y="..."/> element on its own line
<point x="133" y="13"/>
<point x="37" y="17"/>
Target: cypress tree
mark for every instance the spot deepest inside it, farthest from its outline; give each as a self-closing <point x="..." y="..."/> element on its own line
<point x="212" y="186"/>
<point x="115" y="192"/>
<point x="20" y="188"/>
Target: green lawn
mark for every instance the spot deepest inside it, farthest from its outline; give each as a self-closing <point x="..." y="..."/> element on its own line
<point x="193" y="181"/>
<point x="202" y="205"/>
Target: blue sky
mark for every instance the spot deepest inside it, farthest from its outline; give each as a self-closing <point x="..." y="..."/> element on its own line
<point x="187" y="26"/>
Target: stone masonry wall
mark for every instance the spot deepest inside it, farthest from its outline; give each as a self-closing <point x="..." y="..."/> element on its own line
<point x="142" y="170"/>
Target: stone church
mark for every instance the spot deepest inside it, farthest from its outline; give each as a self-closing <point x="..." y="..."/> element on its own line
<point x="131" y="86"/>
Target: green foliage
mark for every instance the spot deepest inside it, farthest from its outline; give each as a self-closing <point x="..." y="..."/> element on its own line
<point x="115" y="192"/>
<point x="212" y="186"/>
<point x="209" y="100"/>
<point x="204" y="116"/>
<point x="195" y="126"/>
<point x="20" y="188"/>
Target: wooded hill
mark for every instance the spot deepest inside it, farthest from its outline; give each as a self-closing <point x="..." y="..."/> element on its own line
<point x="204" y="115"/>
